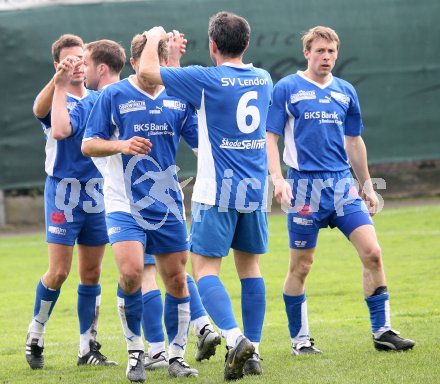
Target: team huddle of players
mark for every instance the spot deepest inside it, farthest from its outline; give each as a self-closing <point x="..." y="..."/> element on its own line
<point x="112" y="177"/>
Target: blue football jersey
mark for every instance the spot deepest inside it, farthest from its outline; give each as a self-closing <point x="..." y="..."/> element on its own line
<point x="232" y="103"/>
<point x="143" y="185"/>
<point x="63" y="157"/>
<point x="314" y="119"/>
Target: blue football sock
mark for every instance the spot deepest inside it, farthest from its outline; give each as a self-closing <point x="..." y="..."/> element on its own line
<point x="379" y="308"/>
<point x="296" y="310"/>
<point x="45" y="299"/>
<point x="216" y="301"/>
<point x="197" y="308"/>
<point x="152" y="316"/>
<point x="253" y="307"/>
<point x="177" y="319"/>
<point x="130" y="313"/>
<point x="88" y="300"/>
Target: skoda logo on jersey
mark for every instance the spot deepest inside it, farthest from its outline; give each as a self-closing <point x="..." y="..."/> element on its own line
<point x="243" y="144"/>
<point x="163" y="182"/>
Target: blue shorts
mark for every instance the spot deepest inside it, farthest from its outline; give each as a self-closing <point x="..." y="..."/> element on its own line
<point x="72" y="215"/>
<point x="213" y="233"/>
<point x="323" y="199"/>
<point x="172" y="236"/>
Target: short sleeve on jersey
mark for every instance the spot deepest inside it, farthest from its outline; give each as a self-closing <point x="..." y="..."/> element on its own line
<point x="277" y="115"/>
<point x="189" y="130"/>
<point x="353" y="120"/>
<point x="184" y="83"/>
<point x="81" y="112"/>
<point x="99" y="123"/>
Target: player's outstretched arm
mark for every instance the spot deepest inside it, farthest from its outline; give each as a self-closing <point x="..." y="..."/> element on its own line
<point x="149" y="64"/>
<point x="357" y="155"/>
<point x="96" y="147"/>
<point x="283" y="190"/>
<point x="60" y="120"/>
<point x="43" y="102"/>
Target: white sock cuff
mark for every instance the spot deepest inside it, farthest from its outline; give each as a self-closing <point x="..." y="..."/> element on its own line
<point x="231" y="335"/>
<point x="200" y="322"/>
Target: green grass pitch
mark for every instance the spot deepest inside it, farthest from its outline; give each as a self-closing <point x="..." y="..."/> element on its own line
<point x="338" y="316"/>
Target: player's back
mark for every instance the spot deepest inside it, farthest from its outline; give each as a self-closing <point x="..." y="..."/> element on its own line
<point x="232" y="102"/>
<point x="233" y="119"/>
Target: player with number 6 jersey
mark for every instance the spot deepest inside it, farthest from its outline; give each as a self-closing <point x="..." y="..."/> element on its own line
<point x="228" y="204"/>
<point x="232" y="103"/>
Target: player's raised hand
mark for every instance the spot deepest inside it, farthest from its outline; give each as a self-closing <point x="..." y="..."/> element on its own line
<point x="157" y="33"/>
<point x="176" y="48"/>
<point x="136" y="146"/>
<point x="65" y="70"/>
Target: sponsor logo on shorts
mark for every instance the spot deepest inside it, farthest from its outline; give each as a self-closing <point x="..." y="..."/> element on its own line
<point x="113" y="230"/>
<point x="57" y="230"/>
<point x="243" y="144"/>
<point x="302" y="95"/>
<point x="58" y="217"/>
<point x="132" y="106"/>
<point x="300" y="243"/>
<point x="302" y="221"/>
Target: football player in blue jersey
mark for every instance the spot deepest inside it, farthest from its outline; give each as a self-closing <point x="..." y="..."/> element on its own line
<point x="320" y="119"/>
<point x="143" y="200"/>
<point x="228" y="202"/>
<point x="75" y="179"/>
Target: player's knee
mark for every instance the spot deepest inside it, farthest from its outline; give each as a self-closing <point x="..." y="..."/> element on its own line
<point x="55" y="279"/>
<point x="91" y="276"/>
<point x="176" y="283"/>
<point x="131" y="278"/>
<point x="302" y="269"/>
<point x="373" y="257"/>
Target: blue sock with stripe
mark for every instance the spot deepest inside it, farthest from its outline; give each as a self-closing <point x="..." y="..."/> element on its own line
<point x="296" y="310"/>
<point x="152" y="316"/>
<point x="177" y="318"/>
<point x="86" y="307"/>
<point x="379" y="308"/>
<point x="130" y="314"/>
<point x="45" y="300"/>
